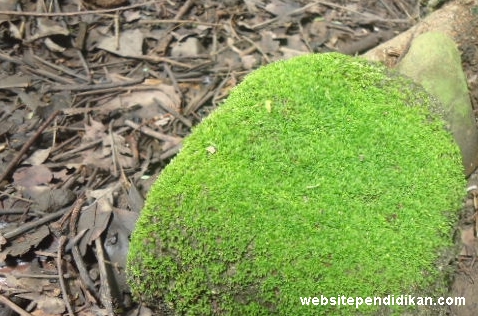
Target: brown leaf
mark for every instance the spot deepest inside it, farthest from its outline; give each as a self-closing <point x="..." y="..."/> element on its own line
<point x="280" y="8"/>
<point x="23" y="244"/>
<point x="130" y="43"/>
<point x="32" y="176"/>
<point x="319" y="31"/>
<point x="249" y="61"/>
<point x="135" y="200"/>
<point x="45" y="305"/>
<point x="47" y="199"/>
<point x="7" y="5"/>
<point x="94" y="131"/>
<point x="34" y="285"/>
<point x="38" y="157"/>
<point x="95" y="219"/>
<point x="102" y="156"/>
<point x="166" y="94"/>
<point x="189" y="48"/>
<point x="15" y="81"/>
<point x="50" y="305"/>
<point x="268" y="44"/>
<point x="117" y="242"/>
<point x="47" y="27"/>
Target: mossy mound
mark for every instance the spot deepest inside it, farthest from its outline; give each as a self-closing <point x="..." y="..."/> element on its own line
<point x="320" y="175"/>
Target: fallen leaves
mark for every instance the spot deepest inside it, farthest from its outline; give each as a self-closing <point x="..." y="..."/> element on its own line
<point x="32" y="176"/>
<point x="127" y="44"/>
<point x="25" y="243"/>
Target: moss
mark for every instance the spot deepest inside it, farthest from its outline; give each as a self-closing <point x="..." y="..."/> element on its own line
<point x="320" y="175"/>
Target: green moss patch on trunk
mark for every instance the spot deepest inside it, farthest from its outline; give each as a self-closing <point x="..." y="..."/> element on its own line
<point x="320" y="175"/>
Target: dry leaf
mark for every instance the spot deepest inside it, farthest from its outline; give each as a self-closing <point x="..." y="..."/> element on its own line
<point x="135" y="200"/>
<point x="23" y="244"/>
<point x="130" y="43"/>
<point x="166" y="94"/>
<point x="45" y="305"/>
<point x="38" y="157"/>
<point x="95" y="219"/>
<point x="189" y="48"/>
<point x="34" y="285"/>
<point x="249" y="61"/>
<point x="32" y="176"/>
<point x="31" y="100"/>
<point x="280" y="8"/>
<point x="15" y="81"/>
<point x="47" y="27"/>
<point x="7" y="5"/>
<point x="102" y="157"/>
<point x="211" y="149"/>
<point x="47" y="199"/>
<point x="116" y="243"/>
<point x="93" y="131"/>
<point x="51" y="305"/>
<point x="54" y="47"/>
<point x="268" y="44"/>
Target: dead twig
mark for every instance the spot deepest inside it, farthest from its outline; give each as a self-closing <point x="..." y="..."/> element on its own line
<point x="173" y="79"/>
<point x="83" y="147"/>
<point x="184" y="9"/>
<point x="148" y="131"/>
<point x="293" y="12"/>
<point x="75" y="213"/>
<point x="36" y="276"/>
<point x="80" y="39"/>
<point x="83" y="271"/>
<point x="105" y="292"/>
<point x="329" y="4"/>
<point x="61" y="68"/>
<point x="177" y="21"/>
<point x="65" y="143"/>
<point x="219" y="88"/>
<point x="117" y="30"/>
<point x="159" y="59"/>
<point x="164" y="42"/>
<point x="114" y="153"/>
<point x="17" y="309"/>
<point x="30" y="225"/>
<point x="171" y="152"/>
<point x="47" y="74"/>
<point x="174" y="113"/>
<point x="264" y="55"/>
<point x="98" y="86"/>
<point x="59" y="263"/>
<point x="101" y="11"/>
<point x="129" y="89"/>
<point x="12" y="196"/>
<point x="200" y="99"/>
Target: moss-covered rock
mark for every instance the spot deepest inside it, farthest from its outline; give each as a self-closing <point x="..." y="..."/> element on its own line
<point x="321" y="175"/>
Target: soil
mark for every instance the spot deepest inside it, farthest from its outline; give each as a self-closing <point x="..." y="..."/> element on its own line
<point x="96" y="99"/>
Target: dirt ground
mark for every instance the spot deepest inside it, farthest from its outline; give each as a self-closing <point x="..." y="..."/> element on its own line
<point x="96" y="97"/>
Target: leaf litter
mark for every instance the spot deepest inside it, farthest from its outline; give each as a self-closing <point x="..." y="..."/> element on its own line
<point x="95" y="100"/>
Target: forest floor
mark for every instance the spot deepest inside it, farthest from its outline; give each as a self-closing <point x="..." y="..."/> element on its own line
<point x="96" y="98"/>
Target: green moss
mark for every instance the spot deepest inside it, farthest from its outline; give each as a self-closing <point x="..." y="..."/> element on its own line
<point x="320" y="175"/>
